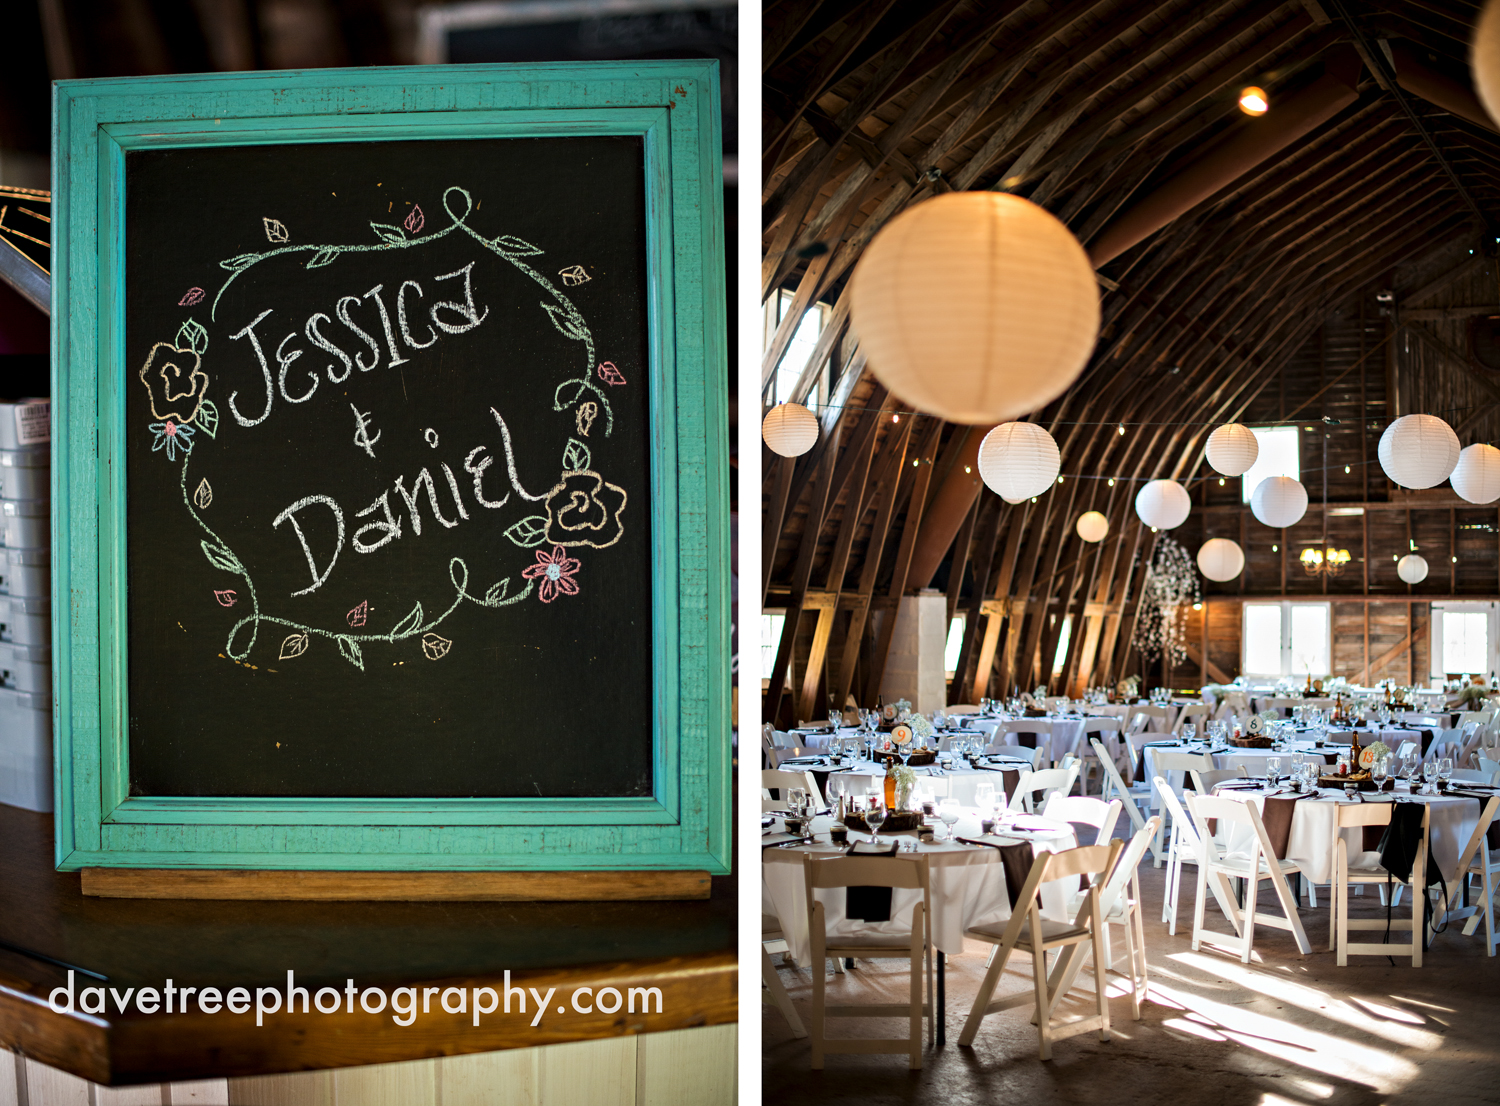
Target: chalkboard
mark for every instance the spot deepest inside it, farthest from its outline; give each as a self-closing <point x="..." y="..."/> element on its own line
<point x="393" y="542"/>
<point x="390" y="470"/>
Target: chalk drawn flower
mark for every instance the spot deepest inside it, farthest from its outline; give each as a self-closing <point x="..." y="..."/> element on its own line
<point x="172" y="436"/>
<point x="555" y="570"/>
<point x="585" y="509"/>
<point x="176" y="381"/>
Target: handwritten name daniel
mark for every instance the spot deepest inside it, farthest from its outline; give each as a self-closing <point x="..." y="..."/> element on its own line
<point x="446" y="317"/>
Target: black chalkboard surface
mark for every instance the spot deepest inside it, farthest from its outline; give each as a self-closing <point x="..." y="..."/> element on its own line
<point x="386" y="489"/>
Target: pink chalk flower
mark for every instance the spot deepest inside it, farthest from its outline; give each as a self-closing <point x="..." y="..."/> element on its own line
<point x="556" y="571"/>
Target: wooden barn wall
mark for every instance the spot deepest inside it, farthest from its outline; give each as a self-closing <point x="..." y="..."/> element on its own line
<point x="1396" y="643"/>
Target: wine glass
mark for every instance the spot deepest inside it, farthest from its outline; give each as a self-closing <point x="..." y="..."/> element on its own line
<point x="1444" y="770"/>
<point x="1378" y="772"/>
<point x="875" y="816"/>
<point x="1273" y="770"/>
<point x="796" y="799"/>
<point x="835" y="720"/>
<point x="1298" y="759"/>
<point x="1429" y="773"/>
<point x="948" y="812"/>
<point x="1189" y="731"/>
<point x="1412" y="765"/>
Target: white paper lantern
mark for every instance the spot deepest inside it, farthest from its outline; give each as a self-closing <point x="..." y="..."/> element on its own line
<point x="1476" y="477"/>
<point x="1232" y="449"/>
<point x="1018" y="460"/>
<point x="1093" y="526"/>
<point x="1484" y="59"/>
<point x="1164" y="504"/>
<point x="976" y="306"/>
<point x="1418" y="451"/>
<point x="1279" y="501"/>
<point x="789" y="429"/>
<point x="1412" y="568"/>
<point x="1220" y="559"/>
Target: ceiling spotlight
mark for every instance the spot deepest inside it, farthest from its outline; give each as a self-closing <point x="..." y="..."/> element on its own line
<point x="1253" y="100"/>
<point x="1059" y="479"/>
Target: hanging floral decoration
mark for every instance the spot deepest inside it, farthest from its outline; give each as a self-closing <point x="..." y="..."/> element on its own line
<point x="1171" y="584"/>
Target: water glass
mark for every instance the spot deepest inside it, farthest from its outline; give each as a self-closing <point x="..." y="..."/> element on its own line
<point x="984" y="795"/>
<point x="1273" y="770"/>
<point x="948" y="812"/>
<point x="1429" y="773"/>
<point x="1298" y="759"/>
<point x="835" y="719"/>
<point x="1444" y="770"/>
<point x="875" y="817"/>
<point x="1378" y="772"/>
<point x="796" y="799"/>
<point x="1189" y="731"/>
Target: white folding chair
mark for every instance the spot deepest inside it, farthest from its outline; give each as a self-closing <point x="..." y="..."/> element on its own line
<point x="1474" y="775"/>
<point x="1028" y="931"/>
<point x="1167" y="761"/>
<point x="897" y="873"/>
<point x="1047" y="781"/>
<point x="1196" y="713"/>
<point x="772" y="939"/>
<point x="780" y="779"/>
<point x="1357" y="816"/>
<point x="1133" y="799"/>
<point x="1216" y="863"/>
<point x="1084" y="811"/>
<point x="1477" y="860"/>
<point x="1107" y="732"/>
<point x="1037" y="756"/>
<point x="1120" y="903"/>
<point x="1038" y="729"/>
<point x="962" y="708"/>
<point x="1205" y="782"/>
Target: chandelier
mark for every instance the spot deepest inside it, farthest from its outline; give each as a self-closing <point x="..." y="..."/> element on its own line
<point x="1327" y="563"/>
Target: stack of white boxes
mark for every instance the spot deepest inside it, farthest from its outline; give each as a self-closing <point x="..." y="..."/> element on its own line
<point x="25" y="605"/>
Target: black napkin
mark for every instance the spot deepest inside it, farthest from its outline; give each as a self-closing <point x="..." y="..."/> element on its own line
<point x="869" y="904"/>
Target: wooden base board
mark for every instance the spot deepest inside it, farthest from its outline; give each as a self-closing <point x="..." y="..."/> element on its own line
<point x="186" y="883"/>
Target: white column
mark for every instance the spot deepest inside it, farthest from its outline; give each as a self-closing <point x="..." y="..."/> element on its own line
<point x="914" y="665"/>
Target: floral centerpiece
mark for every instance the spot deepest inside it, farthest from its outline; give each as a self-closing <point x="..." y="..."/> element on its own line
<point x="906" y="779"/>
<point x="1129" y="687"/>
<point x="920" y="727"/>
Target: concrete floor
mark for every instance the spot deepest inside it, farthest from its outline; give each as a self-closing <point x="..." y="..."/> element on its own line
<point x="1284" y="1029"/>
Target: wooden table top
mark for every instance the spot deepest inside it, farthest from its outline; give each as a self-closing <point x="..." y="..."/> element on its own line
<point x="47" y="926"/>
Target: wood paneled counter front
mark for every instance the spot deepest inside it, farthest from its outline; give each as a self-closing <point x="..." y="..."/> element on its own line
<point x="47" y="926"/>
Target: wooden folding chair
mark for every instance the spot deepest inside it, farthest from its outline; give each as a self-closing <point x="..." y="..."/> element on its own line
<point x="1477" y="860"/>
<point x="1359" y="815"/>
<point x="1215" y="863"/>
<point x="896" y="872"/>
<point x="1029" y="932"/>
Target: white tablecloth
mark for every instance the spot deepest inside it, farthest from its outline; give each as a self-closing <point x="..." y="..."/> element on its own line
<point x="1310" y="843"/>
<point x="958" y="783"/>
<point x="968" y="889"/>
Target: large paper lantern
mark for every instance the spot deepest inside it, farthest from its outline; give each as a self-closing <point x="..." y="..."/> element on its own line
<point x="1484" y="59"/>
<point x="1220" y="559"/>
<point x="1279" y="501"/>
<point x="1093" y="526"/>
<point x="976" y="306"/>
<point x="1163" y="504"/>
<point x="1418" y="451"/>
<point x="1232" y="449"/>
<point x="789" y="429"/>
<point x="1018" y="460"/>
<point x="1476" y="477"/>
<point x="1412" y="568"/>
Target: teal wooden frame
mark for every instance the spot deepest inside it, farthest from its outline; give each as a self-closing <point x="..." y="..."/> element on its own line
<point x="674" y="107"/>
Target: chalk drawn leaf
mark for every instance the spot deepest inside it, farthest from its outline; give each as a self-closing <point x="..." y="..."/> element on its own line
<point x="226" y="598"/>
<point x="575" y="456"/>
<point x="191" y="296"/>
<point x="203" y="495"/>
<point x="435" y="647"/>
<point x="564" y="322"/>
<point x="574" y="275"/>
<point x="358" y="616"/>
<point x="394" y="235"/>
<point x="408" y="624"/>
<point x="531" y="530"/>
<point x="611" y="375"/>
<point x="496" y="592"/>
<point x="516" y="247"/>
<point x="294" y="645"/>
<point x="275" y="232"/>
<point x="415" y="220"/>
<point x="350" y="649"/>
<point x="323" y="257"/>
<point x="191" y="335"/>
<point x="208" y="419"/>
<point x="587" y="413"/>
<point x="222" y="558"/>
<point x="241" y="261"/>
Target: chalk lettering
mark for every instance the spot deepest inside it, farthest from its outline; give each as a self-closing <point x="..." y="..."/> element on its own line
<point x="423" y="477"/>
<point x="284" y="362"/>
<point x="342" y="309"/>
<point x="265" y="369"/>
<point x="401" y="317"/>
<point x="453" y="484"/>
<point x="290" y="515"/>
<point x="385" y="323"/>
<point x="323" y="343"/>
<point x="390" y="526"/>
<point x="477" y="471"/>
<point x="466" y="310"/>
<point x="510" y="460"/>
